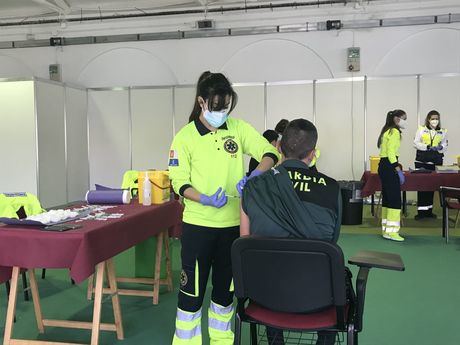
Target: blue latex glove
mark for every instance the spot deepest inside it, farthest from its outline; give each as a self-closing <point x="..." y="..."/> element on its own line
<point x="214" y="200"/>
<point x="240" y="185"/>
<point x="437" y="148"/>
<point x="402" y="179"/>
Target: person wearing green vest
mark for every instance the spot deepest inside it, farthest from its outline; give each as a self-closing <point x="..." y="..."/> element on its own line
<point x="431" y="143"/>
<point x="391" y="174"/>
<point x="206" y="167"/>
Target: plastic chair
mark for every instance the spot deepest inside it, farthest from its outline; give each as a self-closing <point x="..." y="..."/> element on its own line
<point x="300" y="285"/>
<point x="450" y="200"/>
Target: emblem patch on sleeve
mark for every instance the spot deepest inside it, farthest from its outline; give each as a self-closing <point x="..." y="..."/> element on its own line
<point x="173" y="159"/>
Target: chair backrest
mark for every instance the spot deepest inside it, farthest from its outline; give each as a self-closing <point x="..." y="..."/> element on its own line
<point x="289" y="275"/>
<point x="448" y="193"/>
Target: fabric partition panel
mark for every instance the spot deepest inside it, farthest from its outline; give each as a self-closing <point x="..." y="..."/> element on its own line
<point x="443" y="95"/>
<point x="77" y="143"/>
<point x="18" y="137"/>
<point x="184" y="99"/>
<point x="339" y="118"/>
<point x="109" y="136"/>
<point x="250" y="108"/>
<point x="387" y="94"/>
<point x="289" y="101"/>
<point x="152" y="132"/>
<point x="51" y="144"/>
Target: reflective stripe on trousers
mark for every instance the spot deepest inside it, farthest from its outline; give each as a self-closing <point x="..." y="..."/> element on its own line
<point x="188" y="328"/>
<point x="220" y="324"/>
<point x="393" y="223"/>
<point x="424" y="208"/>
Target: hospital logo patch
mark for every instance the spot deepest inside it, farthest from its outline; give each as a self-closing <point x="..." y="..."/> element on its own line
<point x="173" y="160"/>
<point x="231" y="146"/>
<point x="183" y="278"/>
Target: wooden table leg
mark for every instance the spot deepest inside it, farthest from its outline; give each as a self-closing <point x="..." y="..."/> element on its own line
<point x="97" y="303"/>
<point x="112" y="281"/>
<point x="89" y="292"/>
<point x="157" y="274"/>
<point x="168" y="262"/>
<point x="11" y="307"/>
<point x="36" y="299"/>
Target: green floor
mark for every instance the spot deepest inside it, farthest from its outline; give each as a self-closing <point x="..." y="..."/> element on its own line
<point x="419" y="306"/>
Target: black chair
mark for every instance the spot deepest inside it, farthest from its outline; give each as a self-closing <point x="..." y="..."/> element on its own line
<point x="450" y="200"/>
<point x="300" y="285"/>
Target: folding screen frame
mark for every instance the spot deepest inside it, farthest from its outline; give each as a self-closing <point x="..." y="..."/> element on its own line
<point x="179" y="91"/>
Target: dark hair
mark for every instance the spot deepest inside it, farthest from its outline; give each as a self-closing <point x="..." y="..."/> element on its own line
<point x="196" y="106"/>
<point x="270" y="135"/>
<point x="299" y="139"/>
<point x="281" y="126"/>
<point x="390" y="123"/>
<point x="213" y="86"/>
<point x="427" y="119"/>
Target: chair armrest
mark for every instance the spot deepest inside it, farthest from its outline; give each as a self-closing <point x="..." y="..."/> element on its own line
<point x="371" y="259"/>
<point x="367" y="260"/>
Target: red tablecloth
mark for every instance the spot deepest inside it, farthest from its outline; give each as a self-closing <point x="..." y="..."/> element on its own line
<point x="414" y="182"/>
<point x="81" y="249"/>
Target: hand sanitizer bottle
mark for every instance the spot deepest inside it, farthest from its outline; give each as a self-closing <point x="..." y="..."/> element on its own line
<point x="147" y="191"/>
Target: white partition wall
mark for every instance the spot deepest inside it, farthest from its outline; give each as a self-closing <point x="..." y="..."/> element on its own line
<point x="77" y="143"/>
<point x="184" y="98"/>
<point x="388" y="94"/>
<point x="134" y="127"/>
<point x="109" y="136"/>
<point x="51" y="144"/>
<point x="251" y="105"/>
<point x="339" y="118"/>
<point x="289" y="101"/>
<point x="18" y="139"/>
<point x="152" y="127"/>
<point x="43" y="133"/>
<point x="443" y="94"/>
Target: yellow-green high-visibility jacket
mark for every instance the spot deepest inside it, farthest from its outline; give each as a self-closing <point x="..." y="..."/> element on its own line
<point x="315" y="159"/>
<point x="130" y="181"/>
<point x="428" y="137"/>
<point x="208" y="160"/>
<point x="389" y="148"/>
<point x="10" y="203"/>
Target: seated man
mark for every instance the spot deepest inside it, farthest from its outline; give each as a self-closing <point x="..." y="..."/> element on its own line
<point x="293" y="200"/>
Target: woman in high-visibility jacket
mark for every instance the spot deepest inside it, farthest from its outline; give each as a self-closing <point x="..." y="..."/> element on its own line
<point x="391" y="174"/>
<point x="206" y="166"/>
<point x="431" y="143"/>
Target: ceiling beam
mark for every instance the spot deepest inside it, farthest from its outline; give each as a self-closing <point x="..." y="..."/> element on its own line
<point x="64" y="5"/>
<point x="60" y="6"/>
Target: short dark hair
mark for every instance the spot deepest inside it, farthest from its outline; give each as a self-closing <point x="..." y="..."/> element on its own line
<point x="299" y="139"/>
<point x="270" y="135"/>
<point x="281" y="126"/>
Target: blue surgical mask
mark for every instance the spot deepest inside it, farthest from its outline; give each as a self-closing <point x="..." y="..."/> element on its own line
<point x="215" y="118"/>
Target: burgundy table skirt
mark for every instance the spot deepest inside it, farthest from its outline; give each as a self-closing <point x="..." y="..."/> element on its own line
<point x="82" y="249"/>
<point x="414" y="182"/>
